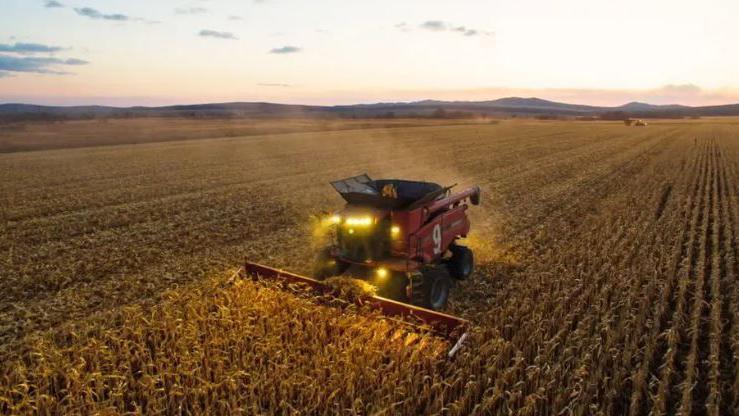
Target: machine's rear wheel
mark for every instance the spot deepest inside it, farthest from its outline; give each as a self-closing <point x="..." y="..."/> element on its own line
<point x="462" y="262"/>
<point x="430" y="288"/>
<point x="327" y="266"/>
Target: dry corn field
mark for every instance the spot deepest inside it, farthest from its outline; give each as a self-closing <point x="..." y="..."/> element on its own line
<point x="606" y="278"/>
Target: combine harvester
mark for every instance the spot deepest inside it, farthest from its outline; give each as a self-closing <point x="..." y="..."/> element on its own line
<point x="401" y="236"/>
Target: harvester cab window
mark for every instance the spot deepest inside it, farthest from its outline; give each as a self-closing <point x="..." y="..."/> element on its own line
<point x="389" y="191"/>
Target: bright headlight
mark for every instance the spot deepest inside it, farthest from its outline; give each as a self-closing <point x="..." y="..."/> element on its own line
<point x="330" y="220"/>
<point x="382" y="273"/>
<point x="358" y="221"/>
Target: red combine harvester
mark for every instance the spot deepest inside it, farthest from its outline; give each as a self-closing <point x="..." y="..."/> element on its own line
<point x="401" y="236"/>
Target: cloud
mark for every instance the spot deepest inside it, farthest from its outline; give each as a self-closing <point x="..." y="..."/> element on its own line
<point x="403" y="27"/>
<point x="442" y="26"/>
<point x="234" y="17"/>
<point x="5" y="74"/>
<point x="74" y="61"/>
<point x="684" y="89"/>
<point x="25" y="48"/>
<point x="274" y="84"/>
<point x="680" y="94"/>
<point x="41" y="65"/>
<point x="94" y="14"/>
<point x="116" y="17"/>
<point x="434" y="25"/>
<point x="52" y="4"/>
<point x="285" y="50"/>
<point x="465" y="31"/>
<point x="216" y="34"/>
<point x="190" y="10"/>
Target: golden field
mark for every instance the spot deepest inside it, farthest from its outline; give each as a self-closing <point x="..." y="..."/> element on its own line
<point x="605" y="282"/>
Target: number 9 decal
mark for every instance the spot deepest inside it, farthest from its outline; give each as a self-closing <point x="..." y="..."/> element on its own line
<point x="436" y="235"/>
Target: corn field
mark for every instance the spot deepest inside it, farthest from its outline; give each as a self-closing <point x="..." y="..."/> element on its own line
<point x="606" y="279"/>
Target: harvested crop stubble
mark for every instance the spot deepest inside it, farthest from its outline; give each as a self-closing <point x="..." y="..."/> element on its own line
<point x="243" y="347"/>
<point x="596" y="291"/>
<point x="350" y="288"/>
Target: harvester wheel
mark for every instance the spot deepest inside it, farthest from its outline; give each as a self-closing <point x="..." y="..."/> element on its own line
<point x="462" y="262"/>
<point x="327" y="266"/>
<point x="430" y="289"/>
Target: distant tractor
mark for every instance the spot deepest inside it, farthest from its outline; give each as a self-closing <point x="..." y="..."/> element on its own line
<point x="635" y="123"/>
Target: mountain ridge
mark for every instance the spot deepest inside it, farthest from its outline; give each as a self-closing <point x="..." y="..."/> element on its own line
<point x="500" y="106"/>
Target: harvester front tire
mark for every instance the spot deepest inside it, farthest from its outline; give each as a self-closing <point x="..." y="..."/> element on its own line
<point x="462" y="263"/>
<point x="326" y="266"/>
<point x="430" y="289"/>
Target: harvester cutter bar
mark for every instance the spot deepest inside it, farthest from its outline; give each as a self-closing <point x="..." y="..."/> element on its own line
<point x="447" y="326"/>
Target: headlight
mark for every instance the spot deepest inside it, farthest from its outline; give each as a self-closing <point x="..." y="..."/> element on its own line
<point x="382" y="273"/>
<point x="330" y="220"/>
<point x="358" y="221"/>
<point x="395" y="231"/>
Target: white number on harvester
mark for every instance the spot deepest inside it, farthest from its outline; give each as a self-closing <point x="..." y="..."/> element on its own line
<point x="436" y="235"/>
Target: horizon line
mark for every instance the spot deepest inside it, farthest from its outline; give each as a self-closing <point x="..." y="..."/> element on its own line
<point x="356" y="103"/>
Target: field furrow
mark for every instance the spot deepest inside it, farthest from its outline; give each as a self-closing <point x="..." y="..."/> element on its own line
<point x="730" y="288"/>
<point x="657" y="339"/>
<point x="694" y="387"/>
<point x="672" y="367"/>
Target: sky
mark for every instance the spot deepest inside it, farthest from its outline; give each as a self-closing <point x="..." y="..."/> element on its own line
<point x="143" y="52"/>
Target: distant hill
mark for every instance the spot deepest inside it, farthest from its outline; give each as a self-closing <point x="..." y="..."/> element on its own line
<point x="508" y="106"/>
<point x="716" y="110"/>
<point x="219" y="109"/>
<point x="517" y="102"/>
<point x="637" y="106"/>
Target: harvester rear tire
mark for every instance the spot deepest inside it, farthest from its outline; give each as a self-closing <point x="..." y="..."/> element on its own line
<point x="430" y="288"/>
<point x="327" y="266"/>
<point x="462" y="263"/>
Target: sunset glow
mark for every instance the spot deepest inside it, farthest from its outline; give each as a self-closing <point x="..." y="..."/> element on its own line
<point x="337" y="52"/>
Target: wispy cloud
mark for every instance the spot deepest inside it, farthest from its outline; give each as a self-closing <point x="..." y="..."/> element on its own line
<point x="442" y="26"/>
<point x="435" y="25"/>
<point x="465" y="31"/>
<point x="37" y="64"/>
<point x="234" y="17"/>
<point x="190" y="10"/>
<point x="94" y="14"/>
<point x="403" y="27"/>
<point x="116" y="17"/>
<point x="285" y="50"/>
<point x="217" y="34"/>
<point x="52" y="4"/>
<point x="274" y="84"/>
<point x="26" y="48"/>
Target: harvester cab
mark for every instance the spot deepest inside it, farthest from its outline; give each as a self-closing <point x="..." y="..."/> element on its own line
<point x="402" y="236"/>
